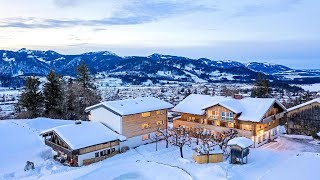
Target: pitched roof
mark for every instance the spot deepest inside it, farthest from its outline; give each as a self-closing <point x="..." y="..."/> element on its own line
<point x="250" y="109"/>
<point x="133" y="106"/>
<point x="86" y="134"/>
<point x="241" y="142"/>
<point x="317" y="100"/>
<point x="194" y="103"/>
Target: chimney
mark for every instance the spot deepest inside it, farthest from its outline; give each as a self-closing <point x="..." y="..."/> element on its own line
<point x="238" y="96"/>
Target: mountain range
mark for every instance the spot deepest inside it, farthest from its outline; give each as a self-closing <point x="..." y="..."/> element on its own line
<point x="139" y="69"/>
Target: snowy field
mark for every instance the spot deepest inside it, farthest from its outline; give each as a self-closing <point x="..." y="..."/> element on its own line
<point x="287" y="158"/>
<point x="311" y="87"/>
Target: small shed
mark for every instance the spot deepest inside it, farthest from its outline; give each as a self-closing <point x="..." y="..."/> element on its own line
<point x="239" y="149"/>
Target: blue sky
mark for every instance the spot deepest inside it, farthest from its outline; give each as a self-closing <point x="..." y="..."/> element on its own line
<point x="278" y="31"/>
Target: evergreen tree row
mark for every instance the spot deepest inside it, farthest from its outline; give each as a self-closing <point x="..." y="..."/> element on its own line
<point x="58" y="98"/>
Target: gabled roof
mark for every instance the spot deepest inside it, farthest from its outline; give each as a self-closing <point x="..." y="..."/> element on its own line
<point x="133" y="106"/>
<point x="317" y="100"/>
<point x="249" y="109"/>
<point x="86" y="134"/>
<point x="241" y="142"/>
<point x="194" y="103"/>
<point x="229" y="103"/>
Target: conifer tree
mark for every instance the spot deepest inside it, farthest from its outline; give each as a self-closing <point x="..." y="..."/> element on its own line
<point x="53" y="99"/>
<point x="31" y="99"/>
<point x="262" y="88"/>
<point x="83" y="75"/>
<point x="84" y="91"/>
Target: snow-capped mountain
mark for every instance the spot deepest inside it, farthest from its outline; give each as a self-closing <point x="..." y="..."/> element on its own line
<point x="138" y="69"/>
<point x="267" y="68"/>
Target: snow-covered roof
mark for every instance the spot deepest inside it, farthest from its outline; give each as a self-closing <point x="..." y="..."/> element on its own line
<point x="194" y="103"/>
<point x="317" y="100"/>
<point x="86" y="134"/>
<point x="229" y="103"/>
<point x="242" y="142"/>
<point x="133" y="106"/>
<point x="250" y="109"/>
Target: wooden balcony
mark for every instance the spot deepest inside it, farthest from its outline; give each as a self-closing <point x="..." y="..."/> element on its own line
<point x="273" y="117"/>
<point x="220" y="128"/>
<point x="57" y="147"/>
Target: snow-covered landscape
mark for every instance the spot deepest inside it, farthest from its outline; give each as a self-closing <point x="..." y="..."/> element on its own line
<point x="285" y="158"/>
<point x="159" y="90"/>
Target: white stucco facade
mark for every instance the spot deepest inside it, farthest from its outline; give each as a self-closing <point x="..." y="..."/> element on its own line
<point x="108" y="118"/>
<point x="137" y="141"/>
<point x="263" y="138"/>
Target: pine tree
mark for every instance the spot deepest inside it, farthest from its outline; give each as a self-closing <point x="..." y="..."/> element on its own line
<point x="84" y="92"/>
<point x="262" y="88"/>
<point x="53" y="99"/>
<point x="83" y="75"/>
<point x="31" y="99"/>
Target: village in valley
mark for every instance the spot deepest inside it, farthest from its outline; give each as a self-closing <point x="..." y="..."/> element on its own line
<point x="79" y="129"/>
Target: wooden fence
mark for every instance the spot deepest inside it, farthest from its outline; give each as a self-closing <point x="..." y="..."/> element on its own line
<point x="211" y="158"/>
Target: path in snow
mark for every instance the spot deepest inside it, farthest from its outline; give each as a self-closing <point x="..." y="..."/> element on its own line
<point x="191" y="177"/>
<point x="288" y="144"/>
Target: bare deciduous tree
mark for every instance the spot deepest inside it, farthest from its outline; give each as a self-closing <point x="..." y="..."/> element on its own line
<point x="179" y="137"/>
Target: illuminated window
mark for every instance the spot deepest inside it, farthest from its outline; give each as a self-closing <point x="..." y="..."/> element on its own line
<point x="145" y="137"/>
<point x="213" y="114"/>
<point x="145" y="126"/>
<point x="231" y="125"/>
<point x="217" y="123"/>
<point x="146" y="114"/>
<point x="160" y="112"/>
<point x="246" y="127"/>
<point x="191" y="118"/>
<point x="159" y="122"/>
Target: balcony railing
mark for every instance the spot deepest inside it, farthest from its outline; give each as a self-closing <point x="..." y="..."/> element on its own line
<point x="273" y="117"/>
<point x="57" y="147"/>
<point x="280" y="115"/>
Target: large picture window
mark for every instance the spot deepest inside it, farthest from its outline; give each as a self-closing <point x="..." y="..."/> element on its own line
<point x="227" y="116"/>
<point x="230" y="116"/>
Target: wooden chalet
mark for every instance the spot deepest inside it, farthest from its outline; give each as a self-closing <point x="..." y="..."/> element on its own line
<point x="304" y="119"/>
<point x="136" y="119"/>
<point x="82" y="143"/>
<point x="254" y="118"/>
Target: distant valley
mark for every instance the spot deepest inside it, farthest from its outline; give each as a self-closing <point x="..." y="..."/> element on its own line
<point x="156" y="68"/>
